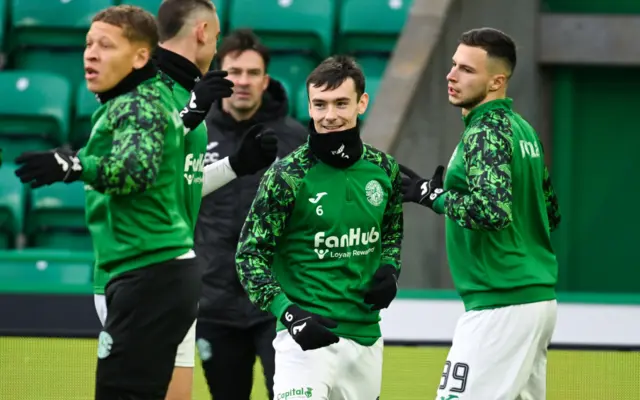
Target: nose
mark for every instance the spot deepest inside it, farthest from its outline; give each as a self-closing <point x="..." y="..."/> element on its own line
<point x="243" y="79"/>
<point x="90" y="53"/>
<point x="331" y="114"/>
<point x="451" y="76"/>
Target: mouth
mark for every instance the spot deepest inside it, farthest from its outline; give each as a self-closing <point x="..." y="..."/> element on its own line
<point x="242" y="95"/>
<point x="90" y="73"/>
<point x="332" y="128"/>
<point x="451" y="91"/>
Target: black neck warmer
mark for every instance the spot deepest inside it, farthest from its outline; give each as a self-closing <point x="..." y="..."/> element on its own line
<point x="136" y="77"/>
<point x="338" y="149"/>
<point x="178" y="68"/>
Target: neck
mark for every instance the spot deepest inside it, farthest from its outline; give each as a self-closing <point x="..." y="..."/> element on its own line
<point x="239" y="115"/>
<point x="186" y="49"/>
<point x="489" y="97"/>
<point x="338" y="149"/>
<point x="128" y="83"/>
<point x="178" y="67"/>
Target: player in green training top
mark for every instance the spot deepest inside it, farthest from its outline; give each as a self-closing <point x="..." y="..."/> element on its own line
<point x="500" y="208"/>
<point x="188" y="31"/>
<point x="132" y="166"/>
<point x="320" y="248"/>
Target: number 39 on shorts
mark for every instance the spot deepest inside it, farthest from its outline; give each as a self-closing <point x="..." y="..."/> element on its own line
<point x="454" y="378"/>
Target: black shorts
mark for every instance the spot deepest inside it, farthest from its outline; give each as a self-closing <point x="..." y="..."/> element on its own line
<point x="149" y="311"/>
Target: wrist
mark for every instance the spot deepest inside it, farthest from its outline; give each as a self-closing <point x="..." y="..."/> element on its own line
<point x="89" y="168"/>
<point x="279" y="305"/>
<point x="438" y="204"/>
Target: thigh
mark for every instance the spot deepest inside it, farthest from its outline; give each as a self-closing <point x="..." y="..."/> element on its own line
<point x="536" y="386"/>
<point x="138" y="345"/>
<point x="303" y="374"/>
<point x="492" y="353"/>
<point x="228" y="357"/>
<point x="360" y="375"/>
<point x="100" y="302"/>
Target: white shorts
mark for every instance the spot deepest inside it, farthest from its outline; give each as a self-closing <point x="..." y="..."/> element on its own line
<point x="343" y="371"/>
<point x="500" y="354"/>
<point x="186" y="354"/>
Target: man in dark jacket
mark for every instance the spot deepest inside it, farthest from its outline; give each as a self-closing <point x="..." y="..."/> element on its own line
<point x="231" y="331"/>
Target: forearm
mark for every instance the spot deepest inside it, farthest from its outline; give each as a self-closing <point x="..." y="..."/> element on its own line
<point x="217" y="175"/>
<point x="258" y="281"/>
<point x="488" y="210"/>
<point x="393" y="224"/>
<point x="120" y="174"/>
<point x="551" y="201"/>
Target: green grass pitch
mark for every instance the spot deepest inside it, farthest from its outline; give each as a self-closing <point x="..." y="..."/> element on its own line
<point x="63" y="369"/>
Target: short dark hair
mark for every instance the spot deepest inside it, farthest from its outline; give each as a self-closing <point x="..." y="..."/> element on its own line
<point x="137" y="24"/>
<point x="496" y="43"/>
<point x="334" y="71"/>
<point x="173" y="14"/>
<point x="239" y="41"/>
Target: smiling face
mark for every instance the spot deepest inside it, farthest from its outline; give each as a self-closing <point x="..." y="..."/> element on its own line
<point x="334" y="110"/>
<point x="109" y="56"/>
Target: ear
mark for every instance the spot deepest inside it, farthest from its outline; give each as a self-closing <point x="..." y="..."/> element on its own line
<point x="201" y="32"/>
<point x="141" y="57"/>
<point x="363" y="103"/>
<point x="265" y="82"/>
<point x="498" y="82"/>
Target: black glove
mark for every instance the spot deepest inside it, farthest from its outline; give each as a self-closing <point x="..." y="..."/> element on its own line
<point x="46" y="167"/>
<point x="422" y="191"/>
<point x="258" y="149"/>
<point x="384" y="289"/>
<point x="212" y="87"/>
<point x="307" y="329"/>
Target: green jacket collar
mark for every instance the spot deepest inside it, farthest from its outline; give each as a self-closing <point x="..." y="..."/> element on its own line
<point x="480" y="110"/>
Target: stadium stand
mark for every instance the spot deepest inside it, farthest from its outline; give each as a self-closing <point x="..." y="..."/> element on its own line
<point x="46" y="104"/>
<point x="35" y="109"/>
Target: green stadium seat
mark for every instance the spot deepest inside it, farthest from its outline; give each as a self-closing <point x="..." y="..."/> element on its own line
<point x="59" y="23"/>
<point x="3" y="25"/>
<point x="86" y="104"/>
<point x="46" y="271"/>
<point x="12" y="198"/>
<point x="52" y="38"/>
<point x="290" y="25"/>
<point x="288" y="88"/>
<point x="34" y="111"/>
<point x="293" y="68"/>
<point x="373" y="66"/>
<point x="56" y="219"/>
<point x="371" y="25"/>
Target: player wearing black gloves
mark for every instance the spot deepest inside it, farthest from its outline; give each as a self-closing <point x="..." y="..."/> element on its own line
<point x="320" y="248"/>
<point x="212" y="87"/>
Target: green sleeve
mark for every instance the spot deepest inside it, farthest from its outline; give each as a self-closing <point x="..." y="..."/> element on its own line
<point x="257" y="244"/>
<point x="139" y="125"/>
<point x="392" y="223"/>
<point x="487" y="158"/>
<point x="551" y="200"/>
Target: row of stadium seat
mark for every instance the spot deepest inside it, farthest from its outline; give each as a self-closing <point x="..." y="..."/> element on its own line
<point x="50" y="35"/>
<point x="41" y="110"/>
<point x="50" y="217"/>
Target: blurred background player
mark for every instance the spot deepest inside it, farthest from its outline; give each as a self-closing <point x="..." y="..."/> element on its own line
<point x="188" y="31"/>
<point x="229" y="326"/>
<point x="132" y="167"/>
<point x="500" y="208"/>
<point x="320" y="248"/>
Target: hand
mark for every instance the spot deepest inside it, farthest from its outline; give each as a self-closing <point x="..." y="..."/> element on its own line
<point x="309" y="330"/>
<point x="422" y="191"/>
<point x="258" y="149"/>
<point x="46" y="167"/>
<point x="384" y="289"/>
<point x="212" y="87"/>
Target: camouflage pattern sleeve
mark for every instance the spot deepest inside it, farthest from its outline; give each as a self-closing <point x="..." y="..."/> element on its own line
<point x="139" y="123"/>
<point x="551" y="200"/>
<point x="392" y="223"/>
<point x="487" y="156"/>
<point x="257" y="244"/>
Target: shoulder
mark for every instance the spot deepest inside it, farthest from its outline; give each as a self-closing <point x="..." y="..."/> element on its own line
<point x="291" y="169"/>
<point x="381" y="159"/>
<point x="144" y="105"/>
<point x="492" y="123"/>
